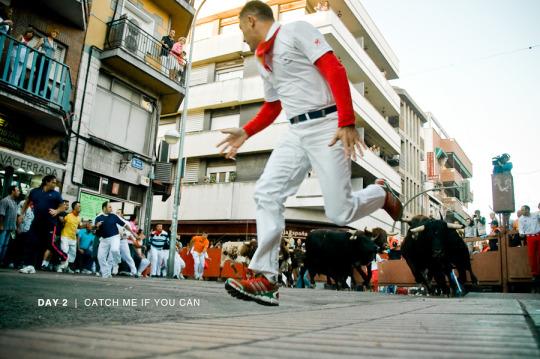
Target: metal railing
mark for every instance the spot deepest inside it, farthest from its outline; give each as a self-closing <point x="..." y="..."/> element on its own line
<point x="125" y="34"/>
<point x="30" y="72"/>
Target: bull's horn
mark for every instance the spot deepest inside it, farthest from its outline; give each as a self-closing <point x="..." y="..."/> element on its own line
<point x="418" y="229"/>
<point x="454" y="226"/>
<point x="392" y="234"/>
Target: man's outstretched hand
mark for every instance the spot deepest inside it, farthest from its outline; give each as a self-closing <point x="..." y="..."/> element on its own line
<point x="351" y="141"/>
<point x="230" y="145"/>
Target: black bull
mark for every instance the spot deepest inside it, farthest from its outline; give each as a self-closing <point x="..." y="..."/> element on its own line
<point x="335" y="253"/>
<point x="432" y="248"/>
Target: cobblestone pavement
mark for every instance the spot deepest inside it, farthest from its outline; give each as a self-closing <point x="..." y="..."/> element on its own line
<point x="149" y="318"/>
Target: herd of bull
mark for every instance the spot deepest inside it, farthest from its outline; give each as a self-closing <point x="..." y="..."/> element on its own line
<point x="432" y="249"/>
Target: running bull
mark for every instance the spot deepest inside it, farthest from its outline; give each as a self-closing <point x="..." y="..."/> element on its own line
<point x="432" y="249"/>
<point x="335" y="253"/>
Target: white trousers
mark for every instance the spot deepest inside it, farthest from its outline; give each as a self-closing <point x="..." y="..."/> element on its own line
<point x="179" y="263"/>
<point x="198" y="264"/>
<point x="108" y="254"/>
<point x="305" y="146"/>
<point x="125" y="254"/>
<point x="69" y="246"/>
<point x="155" y="260"/>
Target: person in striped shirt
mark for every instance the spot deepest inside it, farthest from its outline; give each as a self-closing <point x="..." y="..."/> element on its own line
<point x="158" y="239"/>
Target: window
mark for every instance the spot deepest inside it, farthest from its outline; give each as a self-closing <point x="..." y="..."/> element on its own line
<point x="224" y="118"/>
<point x="124" y="114"/>
<point x="292" y="11"/>
<point x="91" y="181"/>
<point x="221" y="174"/>
<point x="229" y="25"/>
<point x="229" y="70"/>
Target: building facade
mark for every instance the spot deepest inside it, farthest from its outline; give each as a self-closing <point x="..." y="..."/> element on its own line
<point x="446" y="165"/>
<point x="226" y="91"/>
<point x="37" y="89"/>
<point x="125" y="85"/>
<point x="410" y="128"/>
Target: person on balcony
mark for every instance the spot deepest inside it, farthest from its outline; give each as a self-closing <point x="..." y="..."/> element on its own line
<point x="178" y="53"/>
<point x="19" y="55"/>
<point x="303" y="76"/>
<point x="6" y="24"/>
<point x="167" y="43"/>
<point x="47" y="47"/>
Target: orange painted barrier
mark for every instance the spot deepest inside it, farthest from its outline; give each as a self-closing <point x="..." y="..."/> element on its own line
<point x="214" y="261"/>
<point x="233" y="270"/>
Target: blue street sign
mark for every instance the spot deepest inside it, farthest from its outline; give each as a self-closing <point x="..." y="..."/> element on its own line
<point x="137" y="163"/>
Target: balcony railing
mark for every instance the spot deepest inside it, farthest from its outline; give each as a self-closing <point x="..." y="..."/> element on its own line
<point x="28" y="71"/>
<point x="125" y="34"/>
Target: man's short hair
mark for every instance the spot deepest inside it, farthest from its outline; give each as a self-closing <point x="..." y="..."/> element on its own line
<point x="104" y="205"/>
<point x="258" y="9"/>
<point x="526" y="207"/>
<point x="74" y="204"/>
<point x="11" y="189"/>
<point x="47" y="179"/>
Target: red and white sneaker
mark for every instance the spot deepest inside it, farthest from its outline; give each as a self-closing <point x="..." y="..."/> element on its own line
<point x="258" y="289"/>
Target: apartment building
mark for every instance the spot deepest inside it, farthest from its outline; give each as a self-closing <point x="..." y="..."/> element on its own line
<point x="125" y="86"/>
<point x="409" y="125"/>
<point x="226" y="91"/>
<point x="37" y="89"/>
<point x="446" y="165"/>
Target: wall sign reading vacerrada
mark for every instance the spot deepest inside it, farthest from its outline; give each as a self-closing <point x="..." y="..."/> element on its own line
<point x="28" y="164"/>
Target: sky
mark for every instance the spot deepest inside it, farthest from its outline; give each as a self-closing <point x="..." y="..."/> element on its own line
<point x="467" y="62"/>
<point x="458" y="60"/>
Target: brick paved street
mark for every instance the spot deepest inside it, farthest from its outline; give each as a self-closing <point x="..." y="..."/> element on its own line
<point x="307" y="324"/>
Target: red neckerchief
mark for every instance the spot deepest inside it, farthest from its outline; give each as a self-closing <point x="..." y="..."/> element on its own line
<point x="265" y="49"/>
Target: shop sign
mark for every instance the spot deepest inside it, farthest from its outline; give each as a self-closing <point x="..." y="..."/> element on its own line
<point x="7" y="159"/>
<point x="9" y="137"/>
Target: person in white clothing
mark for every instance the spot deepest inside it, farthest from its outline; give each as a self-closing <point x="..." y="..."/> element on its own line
<point x="125" y="238"/>
<point x="302" y="77"/>
<point x="109" y="245"/>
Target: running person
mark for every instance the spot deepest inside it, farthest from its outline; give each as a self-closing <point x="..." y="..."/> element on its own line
<point x="68" y="239"/>
<point x="109" y="246"/>
<point x="48" y="203"/>
<point x="302" y="76"/>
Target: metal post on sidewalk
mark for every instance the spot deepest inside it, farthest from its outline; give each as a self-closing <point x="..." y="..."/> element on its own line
<point x="179" y="167"/>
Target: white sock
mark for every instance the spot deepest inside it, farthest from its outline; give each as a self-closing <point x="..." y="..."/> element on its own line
<point x="45" y="263"/>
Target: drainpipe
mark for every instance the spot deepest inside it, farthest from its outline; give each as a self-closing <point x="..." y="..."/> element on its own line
<point x="77" y="135"/>
<point x="149" y="194"/>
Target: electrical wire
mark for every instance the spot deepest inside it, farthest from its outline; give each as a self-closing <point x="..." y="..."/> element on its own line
<point x="444" y="67"/>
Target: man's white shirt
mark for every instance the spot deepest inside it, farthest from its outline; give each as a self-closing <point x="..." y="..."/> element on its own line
<point x="529" y="224"/>
<point x="294" y="79"/>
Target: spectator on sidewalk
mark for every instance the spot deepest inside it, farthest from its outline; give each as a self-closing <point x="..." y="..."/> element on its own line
<point x="479" y="223"/>
<point x="8" y="219"/>
<point x="158" y="239"/>
<point x="136" y="249"/>
<point x="529" y="227"/>
<point x="85" y="245"/>
<point x="24" y="221"/>
<point x="494" y="232"/>
<point x="470" y="232"/>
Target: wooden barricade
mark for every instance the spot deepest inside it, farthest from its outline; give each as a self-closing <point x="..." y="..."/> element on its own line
<point x="507" y="265"/>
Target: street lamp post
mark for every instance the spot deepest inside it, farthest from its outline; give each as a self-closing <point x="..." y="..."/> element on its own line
<point x="180" y="140"/>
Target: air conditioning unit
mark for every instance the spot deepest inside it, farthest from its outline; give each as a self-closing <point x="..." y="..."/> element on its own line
<point x="144" y="181"/>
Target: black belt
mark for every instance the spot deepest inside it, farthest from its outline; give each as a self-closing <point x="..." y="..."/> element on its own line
<point x="313" y="115"/>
